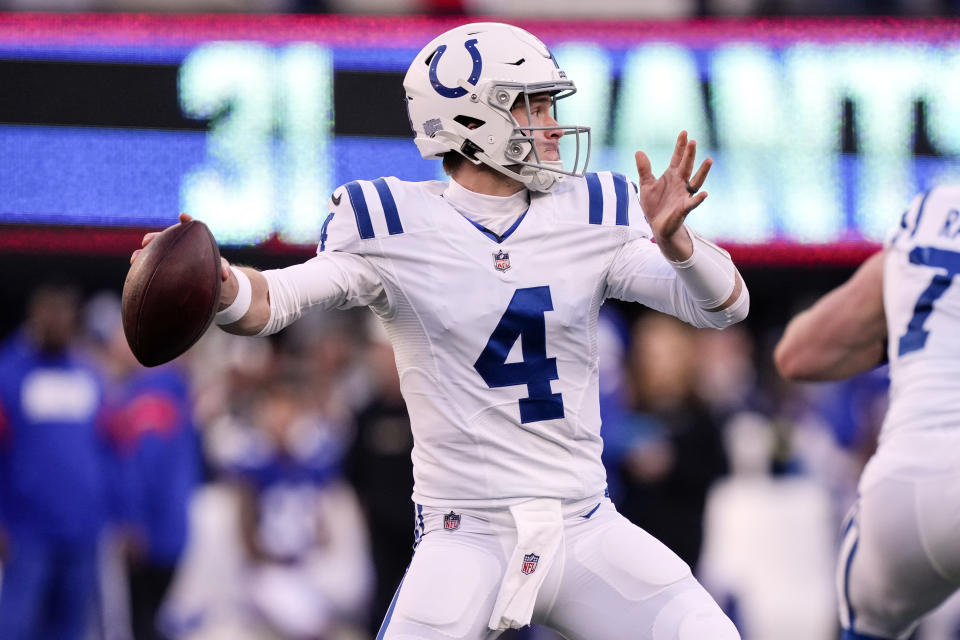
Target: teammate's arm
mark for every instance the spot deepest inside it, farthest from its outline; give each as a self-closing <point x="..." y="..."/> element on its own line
<point x="842" y="334"/>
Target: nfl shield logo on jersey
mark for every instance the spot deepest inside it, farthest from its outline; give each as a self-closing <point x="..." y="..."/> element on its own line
<point x="451" y="521"/>
<point x="501" y="261"/>
<point x="530" y="563"/>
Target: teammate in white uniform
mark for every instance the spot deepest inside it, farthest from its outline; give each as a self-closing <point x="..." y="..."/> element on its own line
<point x="489" y="288"/>
<point x="900" y="554"/>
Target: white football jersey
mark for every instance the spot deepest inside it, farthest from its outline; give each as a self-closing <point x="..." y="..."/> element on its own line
<point x="496" y="337"/>
<point x="922" y="306"/>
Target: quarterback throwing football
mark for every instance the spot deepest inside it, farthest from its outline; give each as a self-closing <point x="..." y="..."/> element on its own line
<point x="489" y="288"/>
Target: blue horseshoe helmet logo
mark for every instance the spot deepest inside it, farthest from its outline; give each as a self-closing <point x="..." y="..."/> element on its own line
<point x="455" y="92"/>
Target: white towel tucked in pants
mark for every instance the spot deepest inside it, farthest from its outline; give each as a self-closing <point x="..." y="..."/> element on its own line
<point x="539" y="538"/>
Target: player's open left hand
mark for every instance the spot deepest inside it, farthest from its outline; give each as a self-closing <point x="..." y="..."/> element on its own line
<point x="667" y="200"/>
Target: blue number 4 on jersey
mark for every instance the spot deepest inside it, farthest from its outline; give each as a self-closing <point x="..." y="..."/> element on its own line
<point x="524" y="318"/>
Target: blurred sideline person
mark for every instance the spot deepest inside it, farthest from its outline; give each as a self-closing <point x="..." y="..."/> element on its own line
<point x="900" y="554"/>
<point x="277" y="546"/>
<point x="149" y="418"/>
<point x="675" y="451"/>
<point x="53" y="473"/>
<point x="489" y="288"/>
<point x="307" y="561"/>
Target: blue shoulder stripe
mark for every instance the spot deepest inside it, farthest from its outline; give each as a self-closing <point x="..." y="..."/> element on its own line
<point x="595" y="198"/>
<point x="360" y="211"/>
<point x="389" y="206"/>
<point x="620" y="191"/>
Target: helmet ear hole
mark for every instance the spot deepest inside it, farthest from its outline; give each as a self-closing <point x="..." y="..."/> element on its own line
<point x="469" y="122"/>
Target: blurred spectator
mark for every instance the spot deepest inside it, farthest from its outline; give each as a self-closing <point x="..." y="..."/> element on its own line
<point x="827" y="431"/>
<point x="669" y="447"/>
<point x="149" y="418"/>
<point x="225" y="371"/>
<point x="280" y="548"/>
<point x="300" y="524"/>
<point x="53" y="462"/>
<point x="726" y="378"/>
<point x="328" y="348"/>
<point x="769" y="541"/>
<point x="795" y="451"/>
<point x="380" y="469"/>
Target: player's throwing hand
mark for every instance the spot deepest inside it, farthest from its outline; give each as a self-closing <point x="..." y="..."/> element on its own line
<point x="229" y="289"/>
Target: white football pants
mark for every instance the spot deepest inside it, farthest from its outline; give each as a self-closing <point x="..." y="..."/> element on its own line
<point x="900" y="553"/>
<point x="610" y="580"/>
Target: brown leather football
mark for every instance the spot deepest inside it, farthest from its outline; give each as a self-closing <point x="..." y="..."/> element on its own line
<point x="171" y="293"/>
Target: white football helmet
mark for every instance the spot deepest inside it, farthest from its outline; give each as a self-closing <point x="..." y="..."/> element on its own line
<point x="460" y="90"/>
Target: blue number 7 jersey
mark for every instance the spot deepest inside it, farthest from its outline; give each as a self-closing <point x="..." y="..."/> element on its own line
<point x="922" y="306"/>
<point x="496" y="338"/>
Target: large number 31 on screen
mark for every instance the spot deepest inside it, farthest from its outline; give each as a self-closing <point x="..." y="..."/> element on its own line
<point x="524" y="320"/>
<point x="915" y="336"/>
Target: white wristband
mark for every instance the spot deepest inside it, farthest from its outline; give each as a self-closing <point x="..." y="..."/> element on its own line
<point x="708" y="274"/>
<point x="241" y="304"/>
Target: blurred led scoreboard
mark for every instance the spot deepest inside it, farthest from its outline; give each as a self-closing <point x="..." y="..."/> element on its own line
<point x="822" y="131"/>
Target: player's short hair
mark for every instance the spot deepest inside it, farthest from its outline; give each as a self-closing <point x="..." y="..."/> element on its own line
<point x="452" y="161"/>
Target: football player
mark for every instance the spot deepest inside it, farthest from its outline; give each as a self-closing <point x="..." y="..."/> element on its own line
<point x="489" y="287"/>
<point x="900" y="553"/>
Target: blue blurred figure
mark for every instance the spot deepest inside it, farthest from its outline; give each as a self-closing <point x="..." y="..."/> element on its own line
<point x="53" y="457"/>
<point x="149" y="419"/>
<point x="308" y="570"/>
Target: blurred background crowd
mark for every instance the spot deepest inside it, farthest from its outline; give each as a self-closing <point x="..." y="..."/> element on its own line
<point x="260" y="488"/>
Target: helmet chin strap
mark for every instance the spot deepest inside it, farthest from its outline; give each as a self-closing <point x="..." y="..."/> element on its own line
<point x="543" y="179"/>
<point x="532" y="178"/>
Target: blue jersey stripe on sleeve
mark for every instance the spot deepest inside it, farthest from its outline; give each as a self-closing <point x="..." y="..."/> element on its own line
<point x="389" y="206"/>
<point x="360" y="211"/>
<point x="595" y="198"/>
<point x="323" y="232"/>
<point x="620" y="191"/>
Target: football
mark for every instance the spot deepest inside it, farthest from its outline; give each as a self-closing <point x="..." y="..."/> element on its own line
<point x="171" y="293"/>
